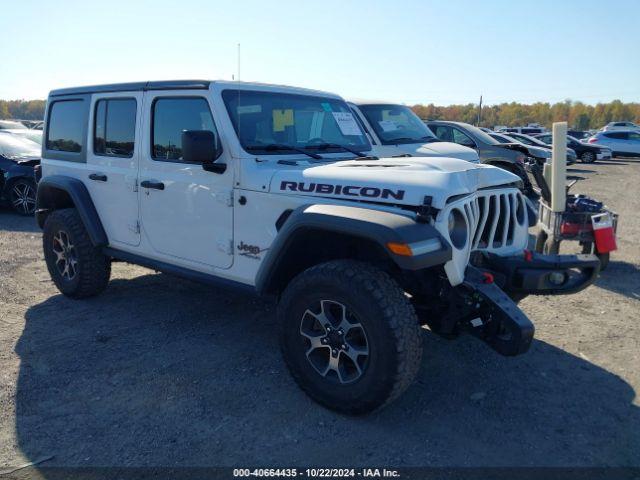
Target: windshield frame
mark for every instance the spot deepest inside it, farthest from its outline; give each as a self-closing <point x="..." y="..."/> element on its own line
<point x="379" y="131"/>
<point x="229" y="94"/>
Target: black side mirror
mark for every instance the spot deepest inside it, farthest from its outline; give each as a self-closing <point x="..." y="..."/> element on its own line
<point x="202" y="146"/>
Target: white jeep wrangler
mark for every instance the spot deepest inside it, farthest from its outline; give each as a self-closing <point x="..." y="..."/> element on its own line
<point x="270" y="189"/>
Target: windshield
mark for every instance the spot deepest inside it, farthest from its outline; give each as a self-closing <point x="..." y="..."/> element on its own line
<point x="15" y="148"/>
<point x="278" y="123"/>
<point x="396" y="124"/>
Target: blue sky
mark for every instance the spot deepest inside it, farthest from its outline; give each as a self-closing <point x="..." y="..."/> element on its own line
<point x="443" y="51"/>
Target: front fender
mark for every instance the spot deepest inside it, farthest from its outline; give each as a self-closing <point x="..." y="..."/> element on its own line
<point x="59" y="191"/>
<point x="428" y="246"/>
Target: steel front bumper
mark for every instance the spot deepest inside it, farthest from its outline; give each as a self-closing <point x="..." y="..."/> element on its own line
<point x="485" y="303"/>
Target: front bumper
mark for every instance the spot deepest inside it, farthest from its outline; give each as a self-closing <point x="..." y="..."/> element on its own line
<point x="485" y="303"/>
<point x="604" y="155"/>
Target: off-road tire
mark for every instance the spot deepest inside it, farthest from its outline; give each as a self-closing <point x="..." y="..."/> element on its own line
<point x="387" y="317"/>
<point x="93" y="268"/>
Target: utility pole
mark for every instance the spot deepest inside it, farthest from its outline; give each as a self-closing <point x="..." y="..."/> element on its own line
<point x="238" y="62"/>
<point x="480" y="111"/>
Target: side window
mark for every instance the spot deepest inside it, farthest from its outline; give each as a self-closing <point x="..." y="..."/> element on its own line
<point x="634" y="136"/>
<point x="115" y="127"/>
<point x="66" y="126"/>
<point x="617" y="135"/>
<point x="462" y="138"/>
<point x="173" y="115"/>
<point x="442" y="132"/>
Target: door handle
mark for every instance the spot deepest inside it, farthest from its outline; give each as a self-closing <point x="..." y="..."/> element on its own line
<point x="98" y="177"/>
<point x="152" y="184"/>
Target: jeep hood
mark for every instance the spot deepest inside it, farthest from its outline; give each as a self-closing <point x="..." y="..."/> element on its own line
<point x="403" y="181"/>
<point x="440" y="149"/>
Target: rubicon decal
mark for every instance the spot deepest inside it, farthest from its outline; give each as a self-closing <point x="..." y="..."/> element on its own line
<point x="350" y="190"/>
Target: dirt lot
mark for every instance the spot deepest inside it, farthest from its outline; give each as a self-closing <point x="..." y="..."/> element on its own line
<point x="159" y="371"/>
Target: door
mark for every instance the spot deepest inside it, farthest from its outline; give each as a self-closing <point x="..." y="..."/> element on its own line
<point x="112" y="160"/>
<point x="186" y="212"/>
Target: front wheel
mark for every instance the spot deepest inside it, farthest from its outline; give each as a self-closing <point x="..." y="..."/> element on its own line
<point x="22" y="197"/>
<point x="588" y="157"/>
<point x="349" y="336"/>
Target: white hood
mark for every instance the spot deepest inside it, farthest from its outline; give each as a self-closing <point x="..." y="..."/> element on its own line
<point x="397" y="181"/>
<point x="434" y="149"/>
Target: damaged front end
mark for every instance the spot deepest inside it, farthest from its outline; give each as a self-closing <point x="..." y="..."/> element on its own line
<point x="485" y="303"/>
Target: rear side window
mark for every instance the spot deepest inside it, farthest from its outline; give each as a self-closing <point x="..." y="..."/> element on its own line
<point x="171" y="116"/>
<point x="618" y="135"/>
<point x="66" y="126"/>
<point x="115" y="127"/>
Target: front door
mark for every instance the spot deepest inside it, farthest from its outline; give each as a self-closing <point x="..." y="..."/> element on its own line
<point x="112" y="161"/>
<point x="186" y="212"/>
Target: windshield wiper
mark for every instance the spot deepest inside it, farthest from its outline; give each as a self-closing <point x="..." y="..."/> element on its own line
<point x="325" y="146"/>
<point x="276" y="146"/>
<point x="426" y="139"/>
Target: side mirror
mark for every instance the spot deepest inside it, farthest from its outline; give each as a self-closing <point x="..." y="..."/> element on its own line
<point x="202" y="146"/>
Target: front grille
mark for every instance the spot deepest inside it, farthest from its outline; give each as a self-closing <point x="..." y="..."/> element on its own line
<point x="492" y="219"/>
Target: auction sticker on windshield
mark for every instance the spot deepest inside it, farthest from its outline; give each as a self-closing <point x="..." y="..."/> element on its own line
<point x="347" y="123"/>
<point x="388" y="125"/>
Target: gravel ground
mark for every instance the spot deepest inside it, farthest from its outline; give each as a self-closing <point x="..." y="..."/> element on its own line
<point x="164" y="372"/>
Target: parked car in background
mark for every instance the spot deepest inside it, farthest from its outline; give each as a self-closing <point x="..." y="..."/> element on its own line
<point x="526" y="130"/>
<point x="28" y="133"/>
<point x="621" y="126"/>
<point x="19" y="159"/>
<point x="12" y="125"/>
<point x="587" y="153"/>
<point x="541" y="155"/>
<point x="510" y="157"/>
<point x="534" y="142"/>
<point x="396" y="130"/>
<point x="622" y="143"/>
<point x="579" y="134"/>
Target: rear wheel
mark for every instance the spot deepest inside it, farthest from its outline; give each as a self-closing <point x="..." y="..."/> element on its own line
<point x="349" y="336"/>
<point x="22" y="196"/>
<point x="588" y="157"/>
<point x="77" y="268"/>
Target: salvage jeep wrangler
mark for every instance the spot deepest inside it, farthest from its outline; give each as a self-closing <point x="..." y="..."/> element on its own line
<point x="271" y="189"/>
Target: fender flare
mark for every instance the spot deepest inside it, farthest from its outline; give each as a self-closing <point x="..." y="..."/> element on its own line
<point x="375" y="225"/>
<point x="82" y="202"/>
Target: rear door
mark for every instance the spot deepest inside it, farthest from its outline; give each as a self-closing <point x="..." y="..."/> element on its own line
<point x="112" y="163"/>
<point x="186" y="212"/>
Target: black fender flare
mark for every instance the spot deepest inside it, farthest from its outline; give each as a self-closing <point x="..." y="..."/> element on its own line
<point x="82" y="202"/>
<point x="379" y="226"/>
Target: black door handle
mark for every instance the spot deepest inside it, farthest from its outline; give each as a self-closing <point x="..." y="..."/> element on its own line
<point x="98" y="177"/>
<point x="152" y="184"/>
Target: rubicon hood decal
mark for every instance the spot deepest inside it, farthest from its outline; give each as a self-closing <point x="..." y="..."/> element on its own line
<point x="403" y="181"/>
<point x="349" y="190"/>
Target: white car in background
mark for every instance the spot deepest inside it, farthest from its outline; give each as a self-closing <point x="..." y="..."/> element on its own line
<point x="623" y="143"/>
<point x="620" y="126"/>
<point x="396" y="130"/>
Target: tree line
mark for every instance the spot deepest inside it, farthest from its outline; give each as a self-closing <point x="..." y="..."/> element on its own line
<point x="579" y="115"/>
<point x="22" y="109"/>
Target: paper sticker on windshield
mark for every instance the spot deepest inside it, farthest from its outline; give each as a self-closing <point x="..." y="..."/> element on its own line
<point x="282" y="119"/>
<point x="388" y="125"/>
<point x="346" y="123"/>
<point x="249" y="109"/>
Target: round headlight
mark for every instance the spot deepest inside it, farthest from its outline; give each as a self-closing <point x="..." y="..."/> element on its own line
<point x="457" y="229"/>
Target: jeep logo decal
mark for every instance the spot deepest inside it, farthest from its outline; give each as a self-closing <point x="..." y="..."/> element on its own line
<point x="251" y="251"/>
<point x="326" y="188"/>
